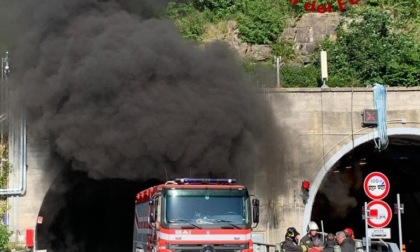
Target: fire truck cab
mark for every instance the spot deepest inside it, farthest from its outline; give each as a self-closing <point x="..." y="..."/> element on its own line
<point x="195" y="215"/>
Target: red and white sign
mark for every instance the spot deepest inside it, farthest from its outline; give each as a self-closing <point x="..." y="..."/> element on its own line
<point x="380" y="214"/>
<point x="376" y="185"/>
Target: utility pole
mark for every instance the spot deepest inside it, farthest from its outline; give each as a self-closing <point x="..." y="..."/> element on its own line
<point x="278" y="65"/>
<point x="400" y="210"/>
<point x="366" y="213"/>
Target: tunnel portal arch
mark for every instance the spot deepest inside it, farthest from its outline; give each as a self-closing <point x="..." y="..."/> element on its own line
<point x="395" y="132"/>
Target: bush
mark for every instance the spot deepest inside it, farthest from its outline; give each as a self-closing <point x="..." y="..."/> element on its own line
<point x="261" y="21"/>
<point x="300" y="76"/>
<point x="285" y="49"/>
<point x="17" y="247"/>
<point x="188" y="19"/>
<point x="4" y="238"/>
<point x="261" y="74"/>
<point x="216" y="10"/>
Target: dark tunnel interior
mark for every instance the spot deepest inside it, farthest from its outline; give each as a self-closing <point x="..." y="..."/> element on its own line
<point x="82" y="214"/>
<point x="400" y="163"/>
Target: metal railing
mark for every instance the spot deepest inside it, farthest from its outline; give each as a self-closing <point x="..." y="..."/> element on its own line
<point x="13" y="122"/>
<point x="267" y="246"/>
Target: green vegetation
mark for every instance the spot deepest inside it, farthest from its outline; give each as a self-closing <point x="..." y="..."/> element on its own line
<point x="4" y="173"/>
<point x="370" y="51"/>
<point x="259" y="22"/>
<point x="297" y="76"/>
<point x="4" y="238"/>
<point x="380" y="43"/>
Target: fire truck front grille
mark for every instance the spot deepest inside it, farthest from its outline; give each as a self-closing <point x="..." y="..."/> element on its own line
<point x="207" y="247"/>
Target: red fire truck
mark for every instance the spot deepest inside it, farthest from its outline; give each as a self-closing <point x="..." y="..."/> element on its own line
<point x="195" y="215"/>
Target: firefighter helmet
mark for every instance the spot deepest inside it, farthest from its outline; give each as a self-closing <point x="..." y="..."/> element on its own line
<point x="292" y="232"/>
<point x="312" y="226"/>
<point x="349" y="233"/>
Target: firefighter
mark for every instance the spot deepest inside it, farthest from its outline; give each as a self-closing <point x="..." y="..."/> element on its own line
<point x="317" y="246"/>
<point x="345" y="244"/>
<point x="291" y="243"/>
<point x="349" y="235"/>
<point x="329" y="243"/>
<point x="311" y="235"/>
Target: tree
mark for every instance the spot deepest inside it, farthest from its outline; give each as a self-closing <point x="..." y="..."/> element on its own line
<point x="369" y="50"/>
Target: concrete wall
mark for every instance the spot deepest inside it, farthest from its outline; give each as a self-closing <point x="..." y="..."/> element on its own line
<point x="313" y="124"/>
<point x="316" y="124"/>
<point x="41" y="172"/>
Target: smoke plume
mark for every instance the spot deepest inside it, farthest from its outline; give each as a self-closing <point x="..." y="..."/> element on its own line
<point x="339" y="188"/>
<point x="124" y="96"/>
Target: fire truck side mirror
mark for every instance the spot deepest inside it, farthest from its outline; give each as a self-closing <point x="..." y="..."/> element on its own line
<point x="152" y="217"/>
<point x="153" y="210"/>
<point x="256" y="211"/>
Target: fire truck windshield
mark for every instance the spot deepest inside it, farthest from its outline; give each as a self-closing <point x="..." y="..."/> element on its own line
<point x="218" y="208"/>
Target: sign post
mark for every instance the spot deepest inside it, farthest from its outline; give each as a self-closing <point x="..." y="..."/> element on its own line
<point x="366" y="228"/>
<point x="399" y="220"/>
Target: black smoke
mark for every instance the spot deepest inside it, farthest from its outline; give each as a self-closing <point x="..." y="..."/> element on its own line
<point x="122" y="95"/>
<point x="125" y="101"/>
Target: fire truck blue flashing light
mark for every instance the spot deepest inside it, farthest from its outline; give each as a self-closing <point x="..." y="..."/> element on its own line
<point x="205" y="181"/>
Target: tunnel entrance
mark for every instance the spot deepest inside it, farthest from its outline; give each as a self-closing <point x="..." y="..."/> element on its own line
<point x="340" y="198"/>
<point x="81" y="214"/>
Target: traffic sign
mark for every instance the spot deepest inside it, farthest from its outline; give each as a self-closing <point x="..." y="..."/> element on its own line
<point x="379" y="233"/>
<point x="376" y="185"/>
<point x="382" y="214"/>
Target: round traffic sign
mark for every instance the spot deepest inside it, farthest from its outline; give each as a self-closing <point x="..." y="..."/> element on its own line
<point x="376" y="185"/>
<point x="379" y="214"/>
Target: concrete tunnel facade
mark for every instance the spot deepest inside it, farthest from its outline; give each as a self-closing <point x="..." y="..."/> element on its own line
<point x="316" y="126"/>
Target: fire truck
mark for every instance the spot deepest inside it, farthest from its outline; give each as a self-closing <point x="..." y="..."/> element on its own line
<point x="195" y="215"/>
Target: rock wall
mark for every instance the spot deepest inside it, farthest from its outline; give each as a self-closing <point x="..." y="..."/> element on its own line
<point x="310" y="30"/>
<point x="307" y="32"/>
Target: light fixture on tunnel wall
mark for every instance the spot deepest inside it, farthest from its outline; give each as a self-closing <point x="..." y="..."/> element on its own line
<point x="305" y="191"/>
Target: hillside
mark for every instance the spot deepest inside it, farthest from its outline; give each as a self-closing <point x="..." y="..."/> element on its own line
<point x="372" y="41"/>
<point x="367" y="41"/>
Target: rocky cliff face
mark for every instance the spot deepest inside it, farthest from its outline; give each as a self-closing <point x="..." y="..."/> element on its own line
<point x="309" y="31"/>
<point x="306" y="32"/>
